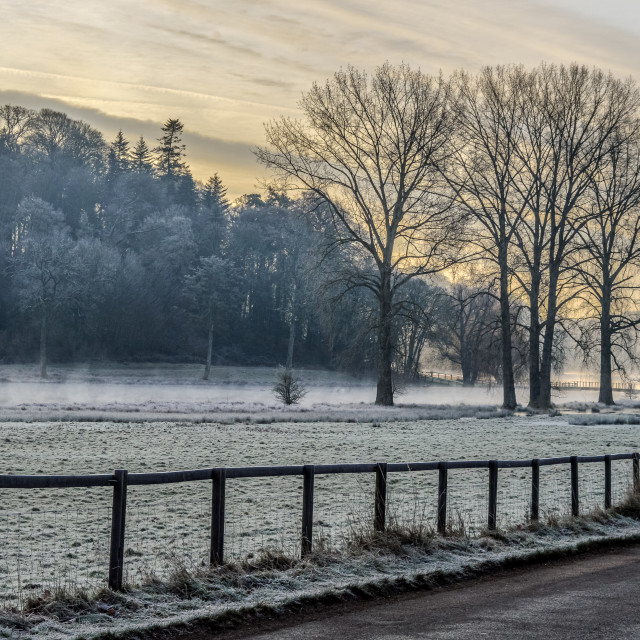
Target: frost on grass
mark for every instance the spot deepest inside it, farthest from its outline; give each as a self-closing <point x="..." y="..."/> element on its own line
<point x="239" y="412"/>
<point x="604" y="419"/>
<point x="55" y="539"/>
<point x="381" y="564"/>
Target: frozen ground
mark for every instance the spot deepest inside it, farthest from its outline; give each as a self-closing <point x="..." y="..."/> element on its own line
<point x="165" y="418"/>
<point x="60" y="537"/>
<point x="160" y="392"/>
<point x="214" y="599"/>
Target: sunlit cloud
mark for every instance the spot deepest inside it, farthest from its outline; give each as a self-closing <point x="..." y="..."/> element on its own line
<point x="228" y="66"/>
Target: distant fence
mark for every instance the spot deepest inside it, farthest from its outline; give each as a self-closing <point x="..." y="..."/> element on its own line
<point x="120" y="480"/>
<point x="454" y="379"/>
<point x="589" y="384"/>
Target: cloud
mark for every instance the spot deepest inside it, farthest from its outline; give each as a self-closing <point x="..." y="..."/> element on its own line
<point x="225" y="67"/>
<point x="206" y="155"/>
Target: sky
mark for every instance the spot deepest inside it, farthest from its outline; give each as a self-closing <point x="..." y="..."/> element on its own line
<point x="225" y="67"/>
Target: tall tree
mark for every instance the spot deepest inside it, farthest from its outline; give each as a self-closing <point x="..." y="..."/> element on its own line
<point x="610" y="244"/>
<point x="15" y="125"/>
<point x="210" y="225"/>
<point x="170" y="152"/>
<point x="42" y="265"/>
<point x="484" y="179"/>
<point x="141" y="157"/>
<point x="211" y="289"/>
<point x="118" y="159"/>
<point x="370" y="149"/>
<point x="569" y="117"/>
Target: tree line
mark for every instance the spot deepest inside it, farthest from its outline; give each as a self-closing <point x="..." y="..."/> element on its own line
<point x="111" y="250"/>
<point x="527" y="177"/>
<point x="488" y="220"/>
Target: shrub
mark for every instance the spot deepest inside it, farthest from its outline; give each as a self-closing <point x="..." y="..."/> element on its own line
<point x="289" y="389"/>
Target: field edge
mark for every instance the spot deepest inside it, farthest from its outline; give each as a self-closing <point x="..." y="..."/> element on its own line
<point x="199" y="624"/>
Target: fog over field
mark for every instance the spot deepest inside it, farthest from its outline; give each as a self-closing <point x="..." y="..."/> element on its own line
<point x="179" y="389"/>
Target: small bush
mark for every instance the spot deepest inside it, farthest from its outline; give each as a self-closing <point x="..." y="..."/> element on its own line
<point x="289" y="389"/>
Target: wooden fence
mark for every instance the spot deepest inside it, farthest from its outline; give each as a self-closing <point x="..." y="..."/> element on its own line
<point x="590" y="384"/>
<point x="558" y="385"/>
<point x="121" y="479"/>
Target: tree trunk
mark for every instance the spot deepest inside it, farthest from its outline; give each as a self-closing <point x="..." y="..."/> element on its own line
<point x="43" y="345"/>
<point x="292" y="330"/>
<point x="467" y="370"/>
<point x="409" y="367"/>
<point x="207" y="366"/>
<point x="465" y="360"/>
<point x="606" y="388"/>
<point x="292" y="337"/>
<point x="508" y="381"/>
<point x="534" y="342"/>
<point x="544" y="399"/>
<point x="384" y="395"/>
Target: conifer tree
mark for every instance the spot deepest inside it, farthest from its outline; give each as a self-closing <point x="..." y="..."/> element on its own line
<point x="118" y="155"/>
<point x="141" y="159"/>
<point x="212" y="221"/>
<point x="170" y="152"/>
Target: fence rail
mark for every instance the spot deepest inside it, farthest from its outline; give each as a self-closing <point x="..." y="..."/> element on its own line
<point x="580" y="385"/>
<point x="589" y="384"/>
<point x="120" y="480"/>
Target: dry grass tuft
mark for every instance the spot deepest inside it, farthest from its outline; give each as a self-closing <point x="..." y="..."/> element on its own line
<point x="396" y="540"/>
<point x="630" y="506"/>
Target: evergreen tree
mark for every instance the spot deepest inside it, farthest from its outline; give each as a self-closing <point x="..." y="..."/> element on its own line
<point x="118" y="158"/>
<point x="141" y="159"/>
<point x="170" y="151"/>
<point x="119" y="154"/>
<point x="211" y="221"/>
<point x="214" y="194"/>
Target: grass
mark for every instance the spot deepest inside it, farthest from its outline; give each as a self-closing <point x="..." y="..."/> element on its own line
<point x="408" y="555"/>
<point x="610" y="419"/>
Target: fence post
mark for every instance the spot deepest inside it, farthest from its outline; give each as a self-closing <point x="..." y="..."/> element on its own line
<point x="218" y="498"/>
<point x="575" y="496"/>
<point x="493" y="495"/>
<point x="380" y="509"/>
<point x="442" y="497"/>
<point x="607" y="482"/>
<point x="308" y="474"/>
<point x="636" y="472"/>
<point x="118" y="516"/>
<point x="535" y="490"/>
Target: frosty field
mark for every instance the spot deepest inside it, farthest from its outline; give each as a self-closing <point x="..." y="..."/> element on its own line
<point x="60" y="537"/>
<point x="95" y="419"/>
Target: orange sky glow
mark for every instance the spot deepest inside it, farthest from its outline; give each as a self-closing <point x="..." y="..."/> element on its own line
<point x="226" y="66"/>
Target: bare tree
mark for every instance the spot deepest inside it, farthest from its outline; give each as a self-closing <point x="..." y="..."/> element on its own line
<point x="370" y="149"/>
<point x="57" y="136"/>
<point x="611" y="242"/>
<point x="569" y="118"/>
<point x="484" y="177"/>
<point x="467" y="333"/>
<point x="210" y="285"/>
<point x="419" y="305"/>
<point x="15" y="125"/>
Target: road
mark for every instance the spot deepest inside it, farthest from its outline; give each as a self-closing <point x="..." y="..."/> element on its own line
<point x="587" y="598"/>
